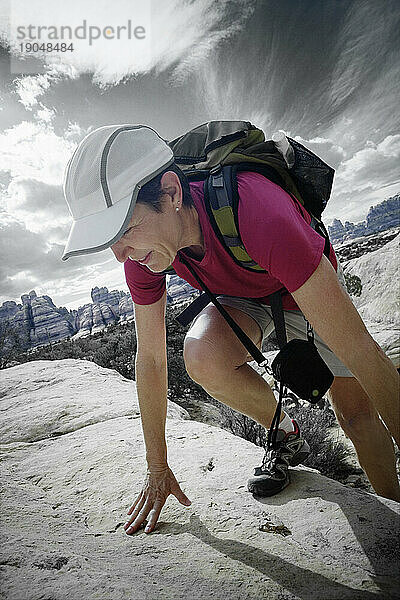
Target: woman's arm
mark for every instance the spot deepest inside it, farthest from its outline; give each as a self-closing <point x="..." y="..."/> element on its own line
<point x="151" y="378"/>
<point x="329" y="309"/>
<point x="152" y="387"/>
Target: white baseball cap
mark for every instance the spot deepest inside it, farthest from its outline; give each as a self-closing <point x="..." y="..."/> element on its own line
<point x="102" y="180"/>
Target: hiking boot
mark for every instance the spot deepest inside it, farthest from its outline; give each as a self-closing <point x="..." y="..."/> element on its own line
<point x="273" y="475"/>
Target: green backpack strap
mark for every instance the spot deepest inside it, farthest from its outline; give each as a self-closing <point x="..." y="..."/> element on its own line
<point x="221" y="199"/>
<point x="221" y="203"/>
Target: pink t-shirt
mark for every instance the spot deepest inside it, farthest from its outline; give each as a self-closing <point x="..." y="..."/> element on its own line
<point x="276" y="233"/>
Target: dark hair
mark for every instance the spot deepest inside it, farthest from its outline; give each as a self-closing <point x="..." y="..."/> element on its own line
<point x="151" y="192"/>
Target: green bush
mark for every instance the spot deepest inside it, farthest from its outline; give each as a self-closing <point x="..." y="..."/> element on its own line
<point x="327" y="456"/>
<point x="112" y="348"/>
<point x="353" y="284"/>
<point x="13" y="342"/>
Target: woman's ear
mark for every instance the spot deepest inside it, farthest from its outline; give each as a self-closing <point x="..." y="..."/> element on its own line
<point x="171" y="185"/>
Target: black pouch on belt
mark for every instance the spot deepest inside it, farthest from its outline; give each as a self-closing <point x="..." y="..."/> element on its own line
<point x="300" y="367"/>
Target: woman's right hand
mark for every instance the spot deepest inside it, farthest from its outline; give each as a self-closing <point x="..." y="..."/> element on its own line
<point x="158" y="485"/>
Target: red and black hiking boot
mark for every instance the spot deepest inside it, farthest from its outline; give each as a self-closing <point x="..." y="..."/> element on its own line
<point x="273" y="476"/>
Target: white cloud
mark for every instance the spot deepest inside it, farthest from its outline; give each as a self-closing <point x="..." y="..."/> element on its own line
<point x="40" y="206"/>
<point x="29" y="88"/>
<point x="45" y="114"/>
<point x="33" y="150"/>
<point x="328" y="150"/>
<point x="179" y="34"/>
<point x="74" y="133"/>
<point x="30" y="261"/>
<point x="363" y="179"/>
<point x="373" y="167"/>
<point x="196" y="33"/>
<point x="366" y="178"/>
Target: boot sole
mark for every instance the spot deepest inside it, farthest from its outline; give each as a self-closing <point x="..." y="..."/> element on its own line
<point x="266" y="493"/>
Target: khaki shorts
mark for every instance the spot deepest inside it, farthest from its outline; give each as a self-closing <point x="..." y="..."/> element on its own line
<point x="296" y="327"/>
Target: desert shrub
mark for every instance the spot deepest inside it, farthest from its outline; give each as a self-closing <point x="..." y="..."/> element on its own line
<point x="353" y="284"/>
<point x="243" y="426"/>
<point x="112" y="348"/>
<point x="327" y="456"/>
<point x="13" y="341"/>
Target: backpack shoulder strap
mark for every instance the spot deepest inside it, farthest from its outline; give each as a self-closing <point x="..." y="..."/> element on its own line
<point x="221" y="202"/>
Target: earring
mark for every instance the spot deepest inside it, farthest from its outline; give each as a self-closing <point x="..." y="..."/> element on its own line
<point x="177" y="208"/>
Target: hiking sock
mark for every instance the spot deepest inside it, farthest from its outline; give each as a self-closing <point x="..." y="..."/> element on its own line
<point x="286" y="424"/>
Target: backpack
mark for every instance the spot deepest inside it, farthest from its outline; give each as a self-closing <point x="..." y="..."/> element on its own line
<point x="216" y="151"/>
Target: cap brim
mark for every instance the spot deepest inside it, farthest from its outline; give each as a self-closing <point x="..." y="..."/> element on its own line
<point x="87" y="234"/>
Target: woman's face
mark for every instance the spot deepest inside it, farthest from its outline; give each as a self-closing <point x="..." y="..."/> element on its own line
<point x="151" y="238"/>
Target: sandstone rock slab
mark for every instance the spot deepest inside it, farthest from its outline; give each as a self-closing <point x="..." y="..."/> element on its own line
<point x="65" y="500"/>
<point x="42" y="398"/>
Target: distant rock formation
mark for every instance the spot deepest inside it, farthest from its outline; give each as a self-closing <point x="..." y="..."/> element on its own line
<point x="38" y="321"/>
<point x="178" y="289"/>
<point x="103" y="296"/>
<point x="125" y="308"/>
<point x="381" y="217"/>
<point x="95" y="317"/>
<point x="349" y="249"/>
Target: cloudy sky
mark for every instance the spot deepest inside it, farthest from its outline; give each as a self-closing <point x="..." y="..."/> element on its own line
<point x="325" y="71"/>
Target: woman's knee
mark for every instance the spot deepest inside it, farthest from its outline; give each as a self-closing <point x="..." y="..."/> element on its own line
<point x="212" y="350"/>
<point x="205" y="362"/>
<point x="353" y="408"/>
